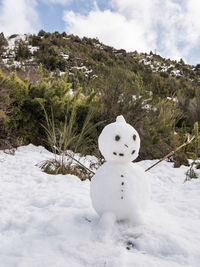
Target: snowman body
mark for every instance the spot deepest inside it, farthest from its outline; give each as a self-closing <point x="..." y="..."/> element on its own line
<point x="119" y="186"/>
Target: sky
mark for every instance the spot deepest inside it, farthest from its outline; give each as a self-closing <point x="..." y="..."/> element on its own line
<point x="170" y="28"/>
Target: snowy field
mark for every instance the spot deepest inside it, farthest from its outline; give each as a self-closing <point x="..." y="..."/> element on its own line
<point x="48" y="220"/>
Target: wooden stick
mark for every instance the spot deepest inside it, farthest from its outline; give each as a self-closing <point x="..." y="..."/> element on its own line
<point x="189" y="140"/>
<point x="61" y="151"/>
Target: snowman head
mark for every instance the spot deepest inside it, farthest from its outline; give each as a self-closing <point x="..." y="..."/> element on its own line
<point x="119" y="141"/>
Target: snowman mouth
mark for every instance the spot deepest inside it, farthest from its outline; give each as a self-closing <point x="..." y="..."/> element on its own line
<point x="120" y="154"/>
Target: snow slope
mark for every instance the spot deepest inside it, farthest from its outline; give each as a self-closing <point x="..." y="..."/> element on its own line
<point x="48" y="220"/>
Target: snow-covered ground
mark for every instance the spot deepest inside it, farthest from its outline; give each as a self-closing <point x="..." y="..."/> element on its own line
<point x="48" y="220"/>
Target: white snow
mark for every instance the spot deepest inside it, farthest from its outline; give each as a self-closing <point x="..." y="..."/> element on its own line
<point x="94" y="76"/>
<point x="157" y="66"/>
<point x="174" y="99"/>
<point x="33" y="48"/>
<point x="12" y="41"/>
<point x="147" y="107"/>
<point x="61" y="73"/>
<point x="145" y="62"/>
<point x="48" y="220"/>
<point x="65" y="56"/>
<point x="84" y="69"/>
<point x="71" y="92"/>
<point x="176" y="72"/>
<point x="12" y="63"/>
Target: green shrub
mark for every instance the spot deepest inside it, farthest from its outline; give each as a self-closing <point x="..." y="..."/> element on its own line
<point x="25" y="106"/>
<point x="158" y="128"/>
<point x="22" y="51"/>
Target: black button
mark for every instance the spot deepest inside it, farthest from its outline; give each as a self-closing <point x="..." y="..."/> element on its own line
<point x="122" y="190"/>
<point x="122" y="183"/>
<point x="122" y="175"/>
<point x="133" y="152"/>
<point x="121" y="197"/>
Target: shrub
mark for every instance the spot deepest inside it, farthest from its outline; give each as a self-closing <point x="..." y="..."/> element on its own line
<point x="3" y="40"/>
<point x="64" y="136"/>
<point x="158" y="128"/>
<point x="23" y="114"/>
<point x="22" y="51"/>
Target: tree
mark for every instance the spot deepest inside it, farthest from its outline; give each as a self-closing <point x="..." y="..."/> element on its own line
<point x="3" y="43"/>
<point x="3" y="40"/>
<point x="22" y="51"/>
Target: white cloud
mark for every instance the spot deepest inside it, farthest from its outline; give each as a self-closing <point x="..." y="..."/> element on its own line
<point x="18" y="16"/>
<point x="111" y="28"/>
<point x="171" y="26"/>
<point x="62" y="2"/>
<point x="179" y="28"/>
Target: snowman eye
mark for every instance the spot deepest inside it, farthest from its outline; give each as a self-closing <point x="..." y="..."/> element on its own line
<point x="117" y="138"/>
<point x="134" y="137"/>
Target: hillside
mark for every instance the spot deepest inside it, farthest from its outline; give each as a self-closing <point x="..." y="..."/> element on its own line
<point x="62" y="51"/>
<point x="160" y="97"/>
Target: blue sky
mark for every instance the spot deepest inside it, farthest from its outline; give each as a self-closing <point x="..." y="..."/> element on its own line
<point x="171" y="27"/>
<point x="51" y="12"/>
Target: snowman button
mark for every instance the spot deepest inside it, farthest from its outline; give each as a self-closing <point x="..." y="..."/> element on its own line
<point x="122" y="183"/>
<point x="121" y="197"/>
<point x="122" y="175"/>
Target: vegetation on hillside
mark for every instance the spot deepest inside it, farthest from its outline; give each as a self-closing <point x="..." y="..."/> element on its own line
<point x="60" y="73"/>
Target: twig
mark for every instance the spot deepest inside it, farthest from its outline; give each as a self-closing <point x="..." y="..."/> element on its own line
<point x="61" y="151"/>
<point x="189" y="140"/>
<point x="190" y="174"/>
<point x="10" y="151"/>
<point x="85" y="218"/>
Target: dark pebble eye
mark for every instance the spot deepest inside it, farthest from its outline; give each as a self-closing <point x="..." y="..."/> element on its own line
<point x="134" y="137"/>
<point x="117" y="138"/>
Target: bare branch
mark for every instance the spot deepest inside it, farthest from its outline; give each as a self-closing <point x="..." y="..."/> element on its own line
<point x="67" y="154"/>
<point x="189" y="140"/>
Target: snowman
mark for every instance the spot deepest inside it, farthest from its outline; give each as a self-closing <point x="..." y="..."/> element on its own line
<point x="120" y="189"/>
